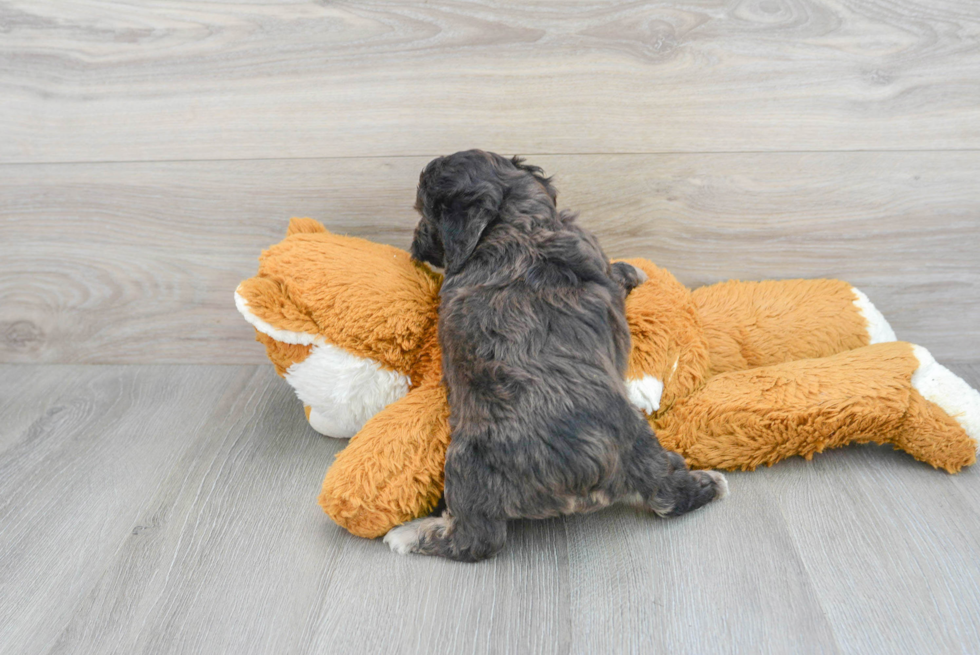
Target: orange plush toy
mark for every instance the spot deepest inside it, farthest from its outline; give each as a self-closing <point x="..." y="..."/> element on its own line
<point x="731" y="376"/>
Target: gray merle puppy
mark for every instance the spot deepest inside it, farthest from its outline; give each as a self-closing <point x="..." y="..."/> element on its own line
<point x="535" y="345"/>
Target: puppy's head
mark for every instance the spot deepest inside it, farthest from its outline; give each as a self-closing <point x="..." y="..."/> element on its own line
<point x="461" y="195"/>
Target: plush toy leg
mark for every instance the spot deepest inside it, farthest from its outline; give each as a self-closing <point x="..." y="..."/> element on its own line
<point x="392" y="470"/>
<point x="937" y="395"/>
<point x="878" y="393"/>
<point x="750" y="324"/>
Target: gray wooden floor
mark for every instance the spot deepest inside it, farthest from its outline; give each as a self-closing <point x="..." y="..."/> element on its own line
<point x="158" y="482"/>
<point x="162" y="509"/>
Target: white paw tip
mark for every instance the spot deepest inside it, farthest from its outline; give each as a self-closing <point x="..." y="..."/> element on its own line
<point x="879" y="331"/>
<point x="941" y="386"/>
<point x="645" y="393"/>
<point x="721" y="482"/>
<point x="402" y="539"/>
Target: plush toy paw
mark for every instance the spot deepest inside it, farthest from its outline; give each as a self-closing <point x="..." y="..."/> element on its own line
<point x="941" y="386"/>
<point x="879" y="330"/>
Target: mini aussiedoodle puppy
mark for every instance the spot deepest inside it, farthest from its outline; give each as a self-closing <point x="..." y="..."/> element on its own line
<point x="535" y="345"/>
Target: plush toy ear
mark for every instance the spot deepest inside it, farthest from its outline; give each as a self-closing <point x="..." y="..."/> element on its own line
<point x="304" y="226"/>
<point x="464" y="221"/>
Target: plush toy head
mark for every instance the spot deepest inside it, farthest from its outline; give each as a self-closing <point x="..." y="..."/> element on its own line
<point x="350" y="324"/>
<point x="731" y="376"/>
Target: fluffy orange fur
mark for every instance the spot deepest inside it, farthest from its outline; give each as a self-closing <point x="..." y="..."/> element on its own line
<point x="369" y="299"/>
<point x="741" y="419"/>
<point x="379" y="481"/>
<point x="753" y="372"/>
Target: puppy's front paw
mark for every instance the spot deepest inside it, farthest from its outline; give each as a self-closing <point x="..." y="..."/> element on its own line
<point x="404" y="539"/>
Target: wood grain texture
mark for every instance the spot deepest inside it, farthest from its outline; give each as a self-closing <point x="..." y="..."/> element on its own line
<point x="516" y="603"/>
<point x="725" y="579"/>
<point x="227" y="552"/>
<point x="75" y="480"/>
<point x="172" y="509"/>
<point x="86" y="80"/>
<point x="884" y="537"/>
<point x="136" y="263"/>
<point x="27" y="392"/>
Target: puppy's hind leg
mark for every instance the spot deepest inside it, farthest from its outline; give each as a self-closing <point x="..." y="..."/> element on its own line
<point x="662" y="483"/>
<point x="465" y="540"/>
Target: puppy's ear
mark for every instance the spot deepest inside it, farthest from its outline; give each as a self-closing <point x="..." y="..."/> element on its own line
<point x="538" y="174"/>
<point x="426" y="246"/>
<point x="465" y="219"/>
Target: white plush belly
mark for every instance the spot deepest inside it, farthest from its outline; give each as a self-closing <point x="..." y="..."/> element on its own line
<point x="343" y="390"/>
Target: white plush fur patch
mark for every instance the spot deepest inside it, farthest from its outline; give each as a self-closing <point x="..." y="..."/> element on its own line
<point x="938" y="384"/>
<point x="342" y="390"/>
<point x="645" y="393"/>
<point x="878" y="328"/>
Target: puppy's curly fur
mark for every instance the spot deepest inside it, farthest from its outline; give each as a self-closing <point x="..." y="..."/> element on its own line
<point x="535" y="346"/>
